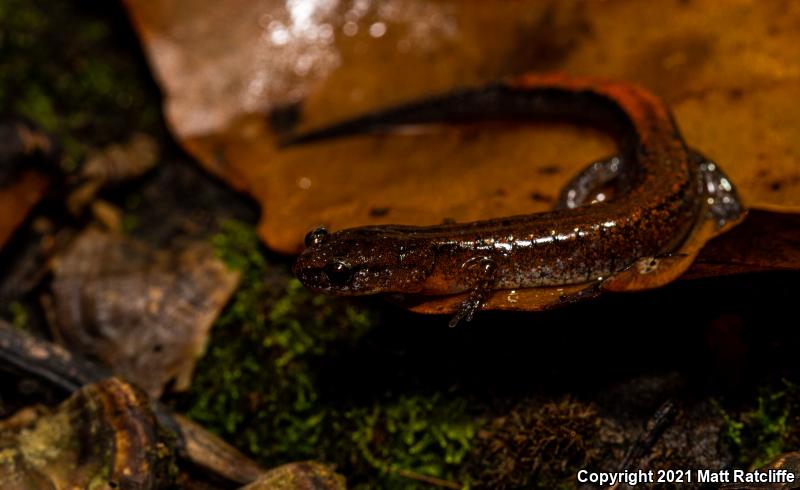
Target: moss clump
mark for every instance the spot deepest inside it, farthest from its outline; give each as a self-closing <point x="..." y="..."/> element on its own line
<point x="537" y="446"/>
<point x="414" y="437"/>
<point x="47" y="77"/>
<point x="259" y="385"/>
<point x="758" y="435"/>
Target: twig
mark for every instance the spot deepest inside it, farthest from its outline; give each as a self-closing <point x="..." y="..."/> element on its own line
<point x="46" y="360"/>
<point x="648" y="437"/>
<point x="426" y="479"/>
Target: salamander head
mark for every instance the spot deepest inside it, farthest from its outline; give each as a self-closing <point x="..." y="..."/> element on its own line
<point x="366" y="260"/>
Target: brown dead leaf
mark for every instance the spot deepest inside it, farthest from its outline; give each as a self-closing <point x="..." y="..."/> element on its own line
<point x="114" y="164"/>
<point x="25" y="154"/>
<point x="394" y="174"/>
<point x="729" y="72"/>
<point x="764" y="241"/>
<point x="17" y="199"/>
<point x="145" y="313"/>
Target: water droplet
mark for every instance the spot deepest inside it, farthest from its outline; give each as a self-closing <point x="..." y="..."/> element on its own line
<point x="326" y="32"/>
<point x="304" y="183"/>
<point x="303" y="65"/>
<point x="378" y="29"/>
<point x="512" y="296"/>
<point x="265" y="20"/>
<point x="279" y="35"/>
<point x="350" y="29"/>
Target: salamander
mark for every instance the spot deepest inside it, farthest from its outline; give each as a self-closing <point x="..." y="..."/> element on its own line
<point x="661" y="189"/>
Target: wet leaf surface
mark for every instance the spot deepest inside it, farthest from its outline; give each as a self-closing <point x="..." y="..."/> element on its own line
<point x="144" y="312"/>
<point x="726" y="86"/>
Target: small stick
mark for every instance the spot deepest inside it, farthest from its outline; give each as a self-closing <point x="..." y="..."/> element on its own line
<point x="426" y="479"/>
<point x="648" y="437"/>
<point x="46" y="360"/>
<point x="652" y="432"/>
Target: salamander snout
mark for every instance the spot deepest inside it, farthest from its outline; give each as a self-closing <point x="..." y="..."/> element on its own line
<point x="334" y="276"/>
<point x="358" y="261"/>
<point x="317" y="270"/>
<point x="330" y="265"/>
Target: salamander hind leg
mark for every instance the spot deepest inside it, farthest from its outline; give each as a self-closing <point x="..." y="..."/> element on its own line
<point x="722" y="201"/>
<point x="483" y="270"/>
<point x="721" y="207"/>
<point x="588" y="186"/>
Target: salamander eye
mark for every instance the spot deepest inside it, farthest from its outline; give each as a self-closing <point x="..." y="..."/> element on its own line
<point x="316" y="236"/>
<point x="339" y="272"/>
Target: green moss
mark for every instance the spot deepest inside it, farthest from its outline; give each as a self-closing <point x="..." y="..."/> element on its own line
<point x="426" y="435"/>
<point x="48" y="76"/>
<point x="38" y="107"/>
<point x="258" y="382"/>
<point x="259" y="385"/>
<point x="758" y="435"/>
<point x="237" y="245"/>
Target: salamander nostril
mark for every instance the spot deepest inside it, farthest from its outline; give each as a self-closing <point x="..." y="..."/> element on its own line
<point x="316" y="236"/>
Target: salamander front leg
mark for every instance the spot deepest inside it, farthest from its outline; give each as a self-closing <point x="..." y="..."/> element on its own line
<point x="483" y="269"/>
